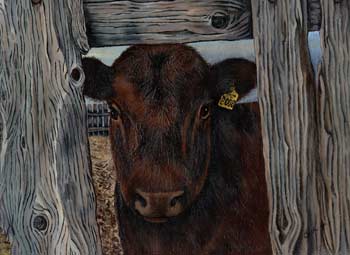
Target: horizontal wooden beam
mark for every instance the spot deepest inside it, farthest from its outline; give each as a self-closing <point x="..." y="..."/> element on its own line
<point x="129" y="22"/>
<point x="115" y="22"/>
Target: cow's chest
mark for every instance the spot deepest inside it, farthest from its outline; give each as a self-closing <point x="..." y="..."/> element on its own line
<point x="222" y="237"/>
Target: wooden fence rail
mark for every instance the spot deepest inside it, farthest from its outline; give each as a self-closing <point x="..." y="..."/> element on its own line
<point x="47" y="202"/>
<point x="333" y="82"/>
<point x="306" y="126"/>
<point x="114" y="22"/>
<point x="287" y="103"/>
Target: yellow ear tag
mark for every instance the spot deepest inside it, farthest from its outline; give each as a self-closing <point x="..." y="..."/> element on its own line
<point x="229" y="100"/>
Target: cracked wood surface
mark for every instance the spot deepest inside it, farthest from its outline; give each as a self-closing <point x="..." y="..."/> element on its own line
<point x="334" y="123"/>
<point x="47" y="203"/>
<point x="129" y="22"/>
<point x="115" y="22"/>
<point x="287" y="106"/>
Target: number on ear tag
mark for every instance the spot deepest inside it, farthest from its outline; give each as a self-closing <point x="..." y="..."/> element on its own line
<point x="229" y="100"/>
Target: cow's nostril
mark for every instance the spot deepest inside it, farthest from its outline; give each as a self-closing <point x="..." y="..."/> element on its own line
<point x="141" y="200"/>
<point x="157" y="205"/>
<point x="175" y="200"/>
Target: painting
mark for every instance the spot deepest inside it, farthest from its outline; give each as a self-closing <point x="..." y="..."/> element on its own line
<point x="174" y="127"/>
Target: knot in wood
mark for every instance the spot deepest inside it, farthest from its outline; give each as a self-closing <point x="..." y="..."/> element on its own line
<point x="77" y="76"/>
<point x="220" y="20"/>
<point x="338" y="1"/>
<point x="272" y="1"/>
<point x="36" y="2"/>
<point x="40" y="222"/>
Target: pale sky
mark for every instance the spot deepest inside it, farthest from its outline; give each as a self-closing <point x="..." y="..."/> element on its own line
<point x="213" y="51"/>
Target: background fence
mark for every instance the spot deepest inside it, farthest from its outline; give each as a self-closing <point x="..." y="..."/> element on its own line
<point x="98" y="118"/>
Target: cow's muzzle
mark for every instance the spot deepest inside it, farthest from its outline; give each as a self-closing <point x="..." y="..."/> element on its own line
<point x="159" y="207"/>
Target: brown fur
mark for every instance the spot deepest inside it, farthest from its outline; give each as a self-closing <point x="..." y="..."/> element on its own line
<point x="169" y="137"/>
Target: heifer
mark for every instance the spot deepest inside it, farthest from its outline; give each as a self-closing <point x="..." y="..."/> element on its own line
<point x="190" y="173"/>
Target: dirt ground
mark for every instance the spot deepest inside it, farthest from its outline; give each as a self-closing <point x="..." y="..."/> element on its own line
<point x="104" y="180"/>
<point x="4" y="246"/>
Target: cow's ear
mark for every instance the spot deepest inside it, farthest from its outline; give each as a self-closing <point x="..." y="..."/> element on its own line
<point x="98" y="79"/>
<point x="239" y="74"/>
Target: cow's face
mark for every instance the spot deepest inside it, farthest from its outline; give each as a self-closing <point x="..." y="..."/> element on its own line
<point x="161" y="147"/>
<point x="161" y="103"/>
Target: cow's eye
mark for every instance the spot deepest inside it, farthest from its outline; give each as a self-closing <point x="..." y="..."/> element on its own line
<point x="115" y="113"/>
<point x="204" y="111"/>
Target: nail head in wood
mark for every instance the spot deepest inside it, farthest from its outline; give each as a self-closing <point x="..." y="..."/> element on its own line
<point x="40" y="223"/>
<point x="220" y="20"/>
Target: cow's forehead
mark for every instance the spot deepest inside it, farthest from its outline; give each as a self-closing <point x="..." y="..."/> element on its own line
<point x="163" y="70"/>
<point x="161" y="114"/>
<point x="156" y="85"/>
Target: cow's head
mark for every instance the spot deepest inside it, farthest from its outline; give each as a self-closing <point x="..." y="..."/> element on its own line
<point x="162" y="98"/>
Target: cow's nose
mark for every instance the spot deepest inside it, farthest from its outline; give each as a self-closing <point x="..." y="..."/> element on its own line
<point x="159" y="205"/>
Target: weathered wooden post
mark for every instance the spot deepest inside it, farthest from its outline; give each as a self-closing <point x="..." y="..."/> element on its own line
<point x="287" y="103"/>
<point x="334" y="124"/>
<point x="47" y="204"/>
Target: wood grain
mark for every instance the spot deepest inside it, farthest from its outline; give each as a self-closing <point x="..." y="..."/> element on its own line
<point x="47" y="203"/>
<point x="115" y="22"/>
<point x="1" y="131"/>
<point x="334" y="123"/>
<point x="287" y="105"/>
<point x="128" y="22"/>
